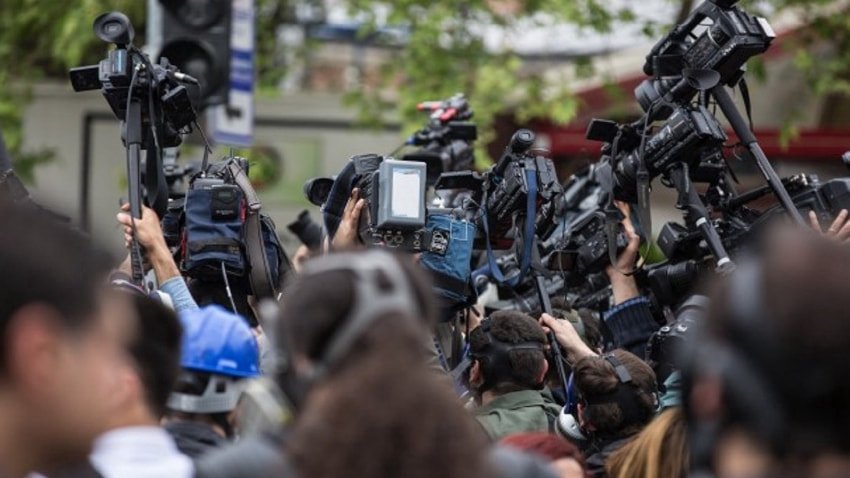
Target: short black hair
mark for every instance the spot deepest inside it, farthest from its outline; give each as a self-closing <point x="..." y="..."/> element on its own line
<point x="156" y="350"/>
<point x="513" y="327"/>
<point x="46" y="261"/>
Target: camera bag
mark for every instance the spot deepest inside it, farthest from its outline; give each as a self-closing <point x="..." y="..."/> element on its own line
<point x="225" y="231"/>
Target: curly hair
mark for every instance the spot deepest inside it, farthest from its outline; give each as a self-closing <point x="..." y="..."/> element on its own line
<point x="513" y="327"/>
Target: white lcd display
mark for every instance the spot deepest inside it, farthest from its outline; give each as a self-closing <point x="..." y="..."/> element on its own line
<point x="406" y="197"/>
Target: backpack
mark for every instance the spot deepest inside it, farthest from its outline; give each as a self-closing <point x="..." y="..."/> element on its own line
<point x="226" y="236"/>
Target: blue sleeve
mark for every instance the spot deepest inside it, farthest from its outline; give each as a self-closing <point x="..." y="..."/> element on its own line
<point x="631" y="324"/>
<point x="179" y="292"/>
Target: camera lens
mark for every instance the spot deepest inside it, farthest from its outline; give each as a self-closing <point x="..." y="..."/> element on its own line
<point x="646" y="94"/>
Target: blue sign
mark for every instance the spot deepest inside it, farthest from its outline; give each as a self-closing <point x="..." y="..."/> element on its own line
<point x="233" y="124"/>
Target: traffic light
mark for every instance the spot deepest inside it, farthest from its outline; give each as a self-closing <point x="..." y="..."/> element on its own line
<point x="196" y="38"/>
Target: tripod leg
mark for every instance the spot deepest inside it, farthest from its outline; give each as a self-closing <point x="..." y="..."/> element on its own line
<point x="695" y="210"/>
<point x="739" y="125"/>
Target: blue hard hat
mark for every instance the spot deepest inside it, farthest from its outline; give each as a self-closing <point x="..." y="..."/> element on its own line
<point x="219" y="342"/>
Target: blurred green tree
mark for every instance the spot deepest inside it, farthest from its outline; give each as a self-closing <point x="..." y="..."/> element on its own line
<point x="444" y="53"/>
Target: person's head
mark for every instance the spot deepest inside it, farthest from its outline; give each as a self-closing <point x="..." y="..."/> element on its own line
<point x="660" y="449"/>
<point x="355" y="324"/>
<point x="154" y="352"/>
<point x="617" y="393"/>
<point x="767" y="372"/>
<point x="507" y="350"/>
<point x="219" y="352"/>
<point x="564" y="457"/>
<point x="63" y="339"/>
<point x="323" y="303"/>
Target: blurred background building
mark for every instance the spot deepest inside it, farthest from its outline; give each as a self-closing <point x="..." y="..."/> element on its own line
<point x="303" y="128"/>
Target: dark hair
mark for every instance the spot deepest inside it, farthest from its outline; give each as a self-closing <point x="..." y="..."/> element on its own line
<point x="156" y="350"/>
<point x="793" y="340"/>
<point x="190" y="382"/>
<point x="595" y="376"/>
<point x="214" y="293"/>
<point x="316" y="305"/>
<point x="381" y="411"/>
<point x="44" y="261"/>
<point x="512" y="327"/>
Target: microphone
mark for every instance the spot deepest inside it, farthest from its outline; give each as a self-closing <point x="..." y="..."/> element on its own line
<point x="183" y="77"/>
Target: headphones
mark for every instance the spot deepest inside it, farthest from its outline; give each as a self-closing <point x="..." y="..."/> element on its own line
<point x="626" y="395"/>
<point x="494" y="357"/>
<point x="374" y="297"/>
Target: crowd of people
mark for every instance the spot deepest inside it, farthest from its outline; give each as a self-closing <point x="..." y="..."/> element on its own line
<point x="346" y="374"/>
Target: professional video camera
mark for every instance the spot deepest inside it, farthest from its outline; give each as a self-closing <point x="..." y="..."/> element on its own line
<point x="516" y="191"/>
<point x="153" y="105"/>
<point x="449" y="134"/>
<point x="740" y="218"/>
<point x="729" y="38"/>
<point x="127" y="76"/>
<point x="679" y="141"/>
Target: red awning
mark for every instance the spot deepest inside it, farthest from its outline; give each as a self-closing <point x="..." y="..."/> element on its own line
<point x="810" y="145"/>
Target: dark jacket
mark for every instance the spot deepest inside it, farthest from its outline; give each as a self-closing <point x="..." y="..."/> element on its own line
<point x="256" y="456"/>
<point x="598" y="453"/>
<point x="631" y="324"/>
<point x="194" y="439"/>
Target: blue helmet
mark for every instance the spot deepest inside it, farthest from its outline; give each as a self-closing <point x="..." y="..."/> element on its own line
<point x="218" y="342"/>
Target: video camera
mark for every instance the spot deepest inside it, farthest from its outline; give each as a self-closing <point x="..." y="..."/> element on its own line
<point x="724" y="46"/>
<point x="521" y="184"/>
<point x="127" y="72"/>
<point x="449" y="134"/>
<point x="395" y="194"/>
<point x="152" y="104"/>
<point x="684" y="137"/>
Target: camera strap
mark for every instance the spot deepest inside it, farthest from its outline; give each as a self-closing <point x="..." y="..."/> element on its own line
<point x="748" y="105"/>
<point x="260" y="277"/>
<point x="156" y="189"/>
<point x="528" y="239"/>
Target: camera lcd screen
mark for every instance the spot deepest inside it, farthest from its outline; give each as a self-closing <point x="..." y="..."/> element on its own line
<point x="406" y="200"/>
<point x="401" y="186"/>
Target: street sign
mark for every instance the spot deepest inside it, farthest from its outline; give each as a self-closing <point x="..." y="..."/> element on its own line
<point x="233" y="123"/>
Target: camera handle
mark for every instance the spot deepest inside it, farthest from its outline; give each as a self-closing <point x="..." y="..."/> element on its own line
<point x="742" y="129"/>
<point x="690" y="202"/>
<point x="133" y="143"/>
<point x="546" y="307"/>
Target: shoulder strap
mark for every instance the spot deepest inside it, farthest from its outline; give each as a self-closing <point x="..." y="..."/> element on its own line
<point x="262" y="285"/>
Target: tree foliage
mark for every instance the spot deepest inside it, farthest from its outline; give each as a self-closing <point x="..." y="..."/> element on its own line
<point x="444" y="53"/>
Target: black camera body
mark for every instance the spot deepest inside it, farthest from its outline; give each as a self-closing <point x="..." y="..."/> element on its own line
<point x="449" y="133"/>
<point x="585" y="249"/>
<point x="506" y="188"/>
<point x="683" y="138"/>
<point x="665" y="346"/>
<point x="156" y="86"/>
<point x="113" y="75"/>
<point x="732" y="38"/>
<point x="395" y="195"/>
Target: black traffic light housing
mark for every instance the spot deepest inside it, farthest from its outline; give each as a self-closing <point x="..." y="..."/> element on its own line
<point x="196" y="38"/>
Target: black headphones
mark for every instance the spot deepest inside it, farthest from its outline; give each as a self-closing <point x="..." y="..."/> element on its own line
<point x="494" y="357"/>
<point x="626" y="395"/>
